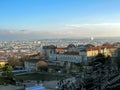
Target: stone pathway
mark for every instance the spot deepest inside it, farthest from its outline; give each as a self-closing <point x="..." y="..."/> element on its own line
<point x="10" y="87"/>
<point x="49" y="85"/>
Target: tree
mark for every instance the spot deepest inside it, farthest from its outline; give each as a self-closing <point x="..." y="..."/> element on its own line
<point x="13" y="61"/>
<point x="117" y="59"/>
<point x="42" y="66"/>
<point x="80" y="66"/>
<point x="101" y="61"/>
<point x="23" y="58"/>
<point x="100" y="58"/>
<point x="7" y="69"/>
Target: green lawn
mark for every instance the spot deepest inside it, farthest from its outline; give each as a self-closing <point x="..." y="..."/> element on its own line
<point x="37" y="76"/>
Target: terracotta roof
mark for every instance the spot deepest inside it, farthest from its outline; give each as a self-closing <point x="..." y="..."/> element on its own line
<point x="60" y="49"/>
<point x="99" y="47"/>
<point x="107" y="44"/>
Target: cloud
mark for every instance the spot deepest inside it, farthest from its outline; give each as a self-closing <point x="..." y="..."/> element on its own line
<point x="20" y="31"/>
<point x="94" y="27"/>
<point x="67" y="31"/>
<point x="98" y="30"/>
<point x="91" y="25"/>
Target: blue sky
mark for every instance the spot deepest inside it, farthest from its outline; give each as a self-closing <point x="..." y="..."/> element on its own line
<point x="53" y="15"/>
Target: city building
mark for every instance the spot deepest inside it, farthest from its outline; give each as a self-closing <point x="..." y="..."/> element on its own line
<point x="31" y="64"/>
<point x="78" y="54"/>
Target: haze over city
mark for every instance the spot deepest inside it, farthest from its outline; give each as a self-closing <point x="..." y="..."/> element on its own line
<point x="39" y="19"/>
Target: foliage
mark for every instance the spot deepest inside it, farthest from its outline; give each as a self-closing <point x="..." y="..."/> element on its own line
<point x="13" y="61"/>
<point x="117" y="59"/>
<point x="80" y="66"/>
<point x="23" y="58"/>
<point x="100" y="58"/>
<point x="7" y="75"/>
<point x="7" y="69"/>
<point x="42" y="66"/>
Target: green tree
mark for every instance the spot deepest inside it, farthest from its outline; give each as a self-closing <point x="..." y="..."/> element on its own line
<point x="117" y="59"/>
<point x="100" y="58"/>
<point x="7" y="69"/>
<point x="80" y="66"/>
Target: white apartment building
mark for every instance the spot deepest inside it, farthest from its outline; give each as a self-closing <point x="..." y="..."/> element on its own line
<point x="31" y="65"/>
<point x="68" y="58"/>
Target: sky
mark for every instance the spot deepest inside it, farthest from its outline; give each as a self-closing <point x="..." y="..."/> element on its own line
<point x="36" y="19"/>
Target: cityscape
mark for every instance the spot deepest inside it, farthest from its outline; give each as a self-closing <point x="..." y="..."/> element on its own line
<point x="59" y="45"/>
